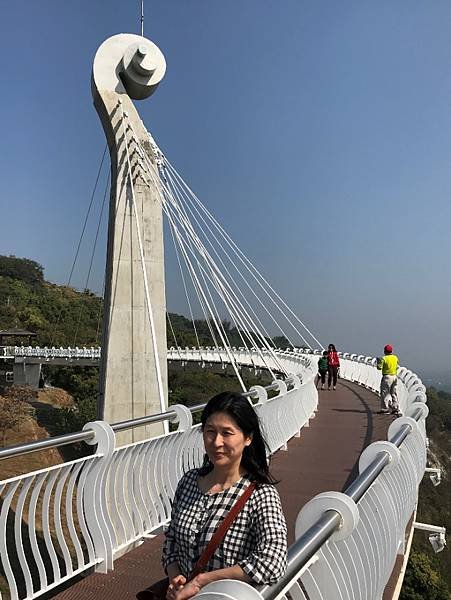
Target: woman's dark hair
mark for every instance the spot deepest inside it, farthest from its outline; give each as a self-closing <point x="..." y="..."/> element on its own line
<point x="332" y="347"/>
<point x="242" y="412"/>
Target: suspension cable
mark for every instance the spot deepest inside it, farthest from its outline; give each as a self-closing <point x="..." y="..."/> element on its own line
<point x="217" y="320"/>
<point x="230" y="355"/>
<point x="186" y="225"/>
<point x="92" y="256"/>
<point x="239" y="272"/>
<point x="218" y="288"/>
<point x="184" y="287"/>
<point x="191" y="270"/>
<point x="219" y="282"/>
<point x="243" y="258"/>
<point x="52" y="337"/>
<point x="194" y="283"/>
<point x="173" y="334"/>
<point x="230" y="275"/>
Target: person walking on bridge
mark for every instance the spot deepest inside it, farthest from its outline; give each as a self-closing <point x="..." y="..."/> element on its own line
<point x="389" y="367"/>
<point x="333" y="364"/>
<point x="322" y="369"/>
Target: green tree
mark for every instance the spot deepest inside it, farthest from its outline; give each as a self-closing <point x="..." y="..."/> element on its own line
<point x="280" y="341"/>
<point x="434" y="503"/>
<point x="60" y="315"/>
<point x="422" y="581"/>
<point x="80" y="382"/>
<point x="68" y="420"/>
<point x="24" y="269"/>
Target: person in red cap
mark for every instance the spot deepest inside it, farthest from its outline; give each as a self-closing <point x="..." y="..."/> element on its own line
<point x="389" y="367"/>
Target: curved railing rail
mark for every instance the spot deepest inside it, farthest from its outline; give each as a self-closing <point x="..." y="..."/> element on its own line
<point x="83" y="513"/>
<point x="347" y="543"/>
<point x="203" y="354"/>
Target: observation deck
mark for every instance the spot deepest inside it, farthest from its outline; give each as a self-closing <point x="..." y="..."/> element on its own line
<point x="109" y="509"/>
<point x="324" y="457"/>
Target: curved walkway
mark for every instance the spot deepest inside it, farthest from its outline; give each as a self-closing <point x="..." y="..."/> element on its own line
<point x="323" y="458"/>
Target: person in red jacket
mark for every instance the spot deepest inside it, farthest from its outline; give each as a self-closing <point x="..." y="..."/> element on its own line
<point x="333" y="364"/>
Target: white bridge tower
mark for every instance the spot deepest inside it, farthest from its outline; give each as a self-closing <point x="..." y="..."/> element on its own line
<point x="133" y="371"/>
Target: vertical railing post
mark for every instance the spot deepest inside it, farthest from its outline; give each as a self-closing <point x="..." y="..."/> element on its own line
<point x="94" y="495"/>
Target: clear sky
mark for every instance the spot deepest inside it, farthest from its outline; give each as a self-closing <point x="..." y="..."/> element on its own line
<point x="319" y="133"/>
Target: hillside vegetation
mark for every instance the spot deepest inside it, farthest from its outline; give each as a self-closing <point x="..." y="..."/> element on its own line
<point x="62" y="316"/>
<point x="428" y="575"/>
<point x="59" y="315"/>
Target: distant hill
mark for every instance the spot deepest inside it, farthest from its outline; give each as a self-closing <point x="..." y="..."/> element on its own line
<point x="63" y="316"/>
<point x="439" y="381"/>
<point x="59" y="315"/>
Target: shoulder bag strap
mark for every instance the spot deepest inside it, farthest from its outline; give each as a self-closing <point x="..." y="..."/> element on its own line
<point x="220" y="532"/>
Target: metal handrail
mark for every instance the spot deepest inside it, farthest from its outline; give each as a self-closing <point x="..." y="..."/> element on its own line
<point x="84" y="436"/>
<point x="156" y="418"/>
<point x="53" y="442"/>
<point x="306" y="546"/>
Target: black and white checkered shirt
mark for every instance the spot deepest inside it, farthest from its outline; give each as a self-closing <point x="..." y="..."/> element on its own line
<point x="256" y="540"/>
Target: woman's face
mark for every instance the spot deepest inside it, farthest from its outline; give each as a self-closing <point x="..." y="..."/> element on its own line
<point x="224" y="441"/>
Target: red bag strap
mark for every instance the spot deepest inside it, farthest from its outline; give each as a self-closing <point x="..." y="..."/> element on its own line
<point x="220" y="532"/>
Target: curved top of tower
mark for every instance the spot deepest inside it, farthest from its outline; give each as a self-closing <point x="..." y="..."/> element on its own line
<point x="128" y="64"/>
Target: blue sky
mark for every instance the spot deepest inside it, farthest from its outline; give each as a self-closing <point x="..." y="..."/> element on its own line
<point x="319" y="134"/>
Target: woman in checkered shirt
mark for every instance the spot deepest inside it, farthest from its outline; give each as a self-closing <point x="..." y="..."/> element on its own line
<point x="254" y="549"/>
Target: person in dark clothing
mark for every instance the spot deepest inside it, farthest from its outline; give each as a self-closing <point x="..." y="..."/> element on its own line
<point x="333" y="364"/>
<point x="322" y="369"/>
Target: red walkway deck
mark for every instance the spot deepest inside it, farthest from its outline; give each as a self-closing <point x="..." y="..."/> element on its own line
<point x="324" y="458"/>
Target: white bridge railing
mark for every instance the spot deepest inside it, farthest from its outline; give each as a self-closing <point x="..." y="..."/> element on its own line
<point x="347" y="543"/>
<point x="61" y="521"/>
<point x="203" y="355"/>
<point x="48" y="354"/>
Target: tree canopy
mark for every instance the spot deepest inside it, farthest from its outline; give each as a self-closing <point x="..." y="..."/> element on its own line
<point x="23" y="269"/>
<point x="60" y="315"/>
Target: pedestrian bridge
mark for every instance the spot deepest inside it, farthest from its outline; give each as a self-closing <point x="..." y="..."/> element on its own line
<point x="89" y="514"/>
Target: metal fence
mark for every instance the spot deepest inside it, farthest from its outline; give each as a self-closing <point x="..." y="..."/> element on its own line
<point x="47" y="354"/>
<point x="347" y="543"/>
<point x="61" y="521"/>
